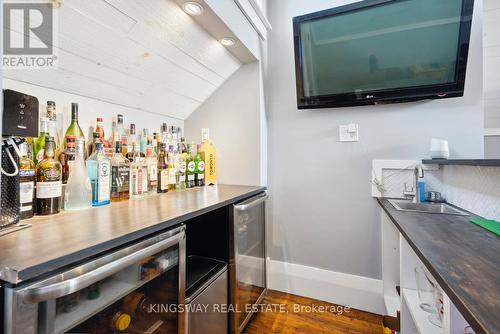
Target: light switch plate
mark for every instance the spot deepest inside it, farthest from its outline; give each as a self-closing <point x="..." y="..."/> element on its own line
<point x="349" y="133"/>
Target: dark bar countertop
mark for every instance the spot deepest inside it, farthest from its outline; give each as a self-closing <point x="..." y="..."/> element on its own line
<point x="463" y="162"/>
<point x="463" y="257"/>
<point x="68" y="237"/>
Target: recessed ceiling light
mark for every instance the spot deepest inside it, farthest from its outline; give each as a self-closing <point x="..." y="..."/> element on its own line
<point x="227" y="41"/>
<point x="192" y="8"/>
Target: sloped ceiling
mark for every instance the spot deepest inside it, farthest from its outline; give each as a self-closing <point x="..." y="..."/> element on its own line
<point x="144" y="54"/>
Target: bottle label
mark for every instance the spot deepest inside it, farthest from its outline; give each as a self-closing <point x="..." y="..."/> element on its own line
<point x="49" y="189"/>
<point x="171" y="176"/>
<point x="120" y="178"/>
<point x="164" y="180"/>
<point x="153" y="172"/>
<point x="190" y="177"/>
<point x="145" y="179"/>
<point x="182" y="167"/>
<point x="201" y="166"/>
<point x="137" y="184"/>
<point x="191" y="166"/>
<point x="201" y="176"/>
<point x="26" y="192"/>
<point x="104" y="180"/>
<point x="39" y="155"/>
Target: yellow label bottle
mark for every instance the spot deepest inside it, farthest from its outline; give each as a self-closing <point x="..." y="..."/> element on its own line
<point x="208" y="153"/>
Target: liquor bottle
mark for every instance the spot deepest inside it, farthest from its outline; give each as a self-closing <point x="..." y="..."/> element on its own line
<point x="180" y="169"/>
<point x="40" y="141"/>
<point x="152" y="167"/>
<point x="54" y="126"/>
<point x="78" y="194"/>
<point x="162" y="182"/>
<point x="199" y="167"/>
<point x="131" y="141"/>
<point x="208" y="149"/>
<point x="171" y="169"/>
<point x="67" y="158"/>
<point x="100" y="130"/>
<point x="190" y="169"/>
<point x="164" y="134"/>
<point x="92" y="144"/>
<point x="155" y="143"/>
<point x="120" y="175"/>
<point x="26" y="183"/>
<point x="122" y="134"/>
<point x="138" y="173"/>
<point x="48" y="181"/>
<point x="143" y="143"/>
<point x="99" y="170"/>
<point x="74" y="128"/>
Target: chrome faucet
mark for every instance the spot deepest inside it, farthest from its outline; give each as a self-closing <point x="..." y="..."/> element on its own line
<point x="413" y="192"/>
<point x="419" y="174"/>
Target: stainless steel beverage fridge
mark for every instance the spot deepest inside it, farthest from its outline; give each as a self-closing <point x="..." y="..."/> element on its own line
<point x="248" y="259"/>
<point x="135" y="289"/>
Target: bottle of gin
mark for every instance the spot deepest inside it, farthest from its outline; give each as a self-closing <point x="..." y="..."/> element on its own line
<point x="152" y="167"/>
<point x="120" y="175"/>
<point x="162" y="181"/>
<point x="48" y="181"/>
<point x="99" y="171"/>
<point x="180" y="169"/>
<point x="190" y="167"/>
<point x="40" y="141"/>
<point x="78" y="194"/>
<point x="199" y="167"/>
<point x="74" y="128"/>
<point x="26" y="183"/>
<point x="209" y="153"/>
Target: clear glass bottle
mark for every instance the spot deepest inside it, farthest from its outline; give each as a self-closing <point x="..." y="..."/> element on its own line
<point x="54" y="127"/>
<point x="138" y="174"/>
<point x="48" y="181"/>
<point x="209" y="152"/>
<point x="172" y="182"/>
<point x="143" y="142"/>
<point x="92" y="144"/>
<point x="199" y="167"/>
<point x="162" y="180"/>
<point x="131" y="142"/>
<point x="152" y="167"/>
<point x="99" y="171"/>
<point x="74" y="128"/>
<point x="180" y="169"/>
<point x="121" y="133"/>
<point x="120" y="175"/>
<point x="78" y="194"/>
<point x="26" y="183"/>
<point x="190" y="167"/>
<point x="39" y="146"/>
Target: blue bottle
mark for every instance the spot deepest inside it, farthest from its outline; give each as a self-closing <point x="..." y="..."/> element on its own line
<point x="99" y="171"/>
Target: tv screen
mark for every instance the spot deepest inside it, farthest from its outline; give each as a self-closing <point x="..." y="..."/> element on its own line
<point x="382" y="51"/>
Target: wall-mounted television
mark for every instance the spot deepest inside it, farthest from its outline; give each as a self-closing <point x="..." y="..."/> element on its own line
<point x="382" y="51"/>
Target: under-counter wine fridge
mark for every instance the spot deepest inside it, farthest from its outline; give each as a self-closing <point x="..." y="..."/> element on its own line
<point x="135" y="289"/>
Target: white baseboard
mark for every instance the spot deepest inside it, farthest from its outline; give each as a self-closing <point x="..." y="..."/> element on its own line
<point x="357" y="292"/>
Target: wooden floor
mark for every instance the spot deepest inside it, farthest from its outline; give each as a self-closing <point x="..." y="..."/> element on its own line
<point x="276" y="322"/>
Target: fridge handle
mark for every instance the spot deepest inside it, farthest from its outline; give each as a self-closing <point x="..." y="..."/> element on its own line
<point x="66" y="287"/>
<point x="253" y="202"/>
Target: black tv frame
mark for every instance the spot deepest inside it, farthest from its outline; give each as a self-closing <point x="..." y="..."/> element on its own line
<point x="396" y="95"/>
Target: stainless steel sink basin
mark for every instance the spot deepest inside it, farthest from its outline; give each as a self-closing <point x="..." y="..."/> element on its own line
<point x="438" y="208"/>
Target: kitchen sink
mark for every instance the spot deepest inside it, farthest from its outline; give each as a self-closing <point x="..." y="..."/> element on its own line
<point x="437" y="208"/>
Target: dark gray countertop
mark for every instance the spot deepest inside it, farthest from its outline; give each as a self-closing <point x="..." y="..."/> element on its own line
<point x="463" y="162"/>
<point x="68" y="237"/>
<point x="463" y="257"/>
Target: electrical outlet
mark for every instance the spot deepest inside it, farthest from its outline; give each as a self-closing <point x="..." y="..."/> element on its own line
<point x="349" y="133"/>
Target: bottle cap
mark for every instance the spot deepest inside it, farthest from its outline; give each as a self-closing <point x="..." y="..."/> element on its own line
<point x="164" y="127"/>
<point x="119" y="118"/>
<point x="122" y="322"/>
<point x="132" y="129"/>
<point x="51" y="103"/>
<point x="74" y="111"/>
<point x="99" y="120"/>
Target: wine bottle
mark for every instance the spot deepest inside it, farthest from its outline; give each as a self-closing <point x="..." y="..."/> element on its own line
<point x="40" y="141"/>
<point x="48" y="181"/>
<point x="190" y="167"/>
<point x="199" y="167"/>
<point x="74" y="128"/>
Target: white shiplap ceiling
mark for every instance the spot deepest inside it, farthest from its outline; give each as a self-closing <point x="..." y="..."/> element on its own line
<point x="145" y="54"/>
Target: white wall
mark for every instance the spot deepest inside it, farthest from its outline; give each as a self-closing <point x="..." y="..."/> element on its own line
<point x="491" y="72"/>
<point x="232" y="114"/>
<point x="90" y="109"/>
<point x="321" y="212"/>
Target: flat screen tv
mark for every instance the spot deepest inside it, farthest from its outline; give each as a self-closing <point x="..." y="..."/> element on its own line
<point x="382" y="51"/>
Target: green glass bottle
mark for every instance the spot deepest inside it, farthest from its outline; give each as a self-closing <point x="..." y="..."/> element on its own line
<point x="74" y="128"/>
<point x="40" y="141"/>
<point x="190" y="167"/>
<point x="199" y="167"/>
